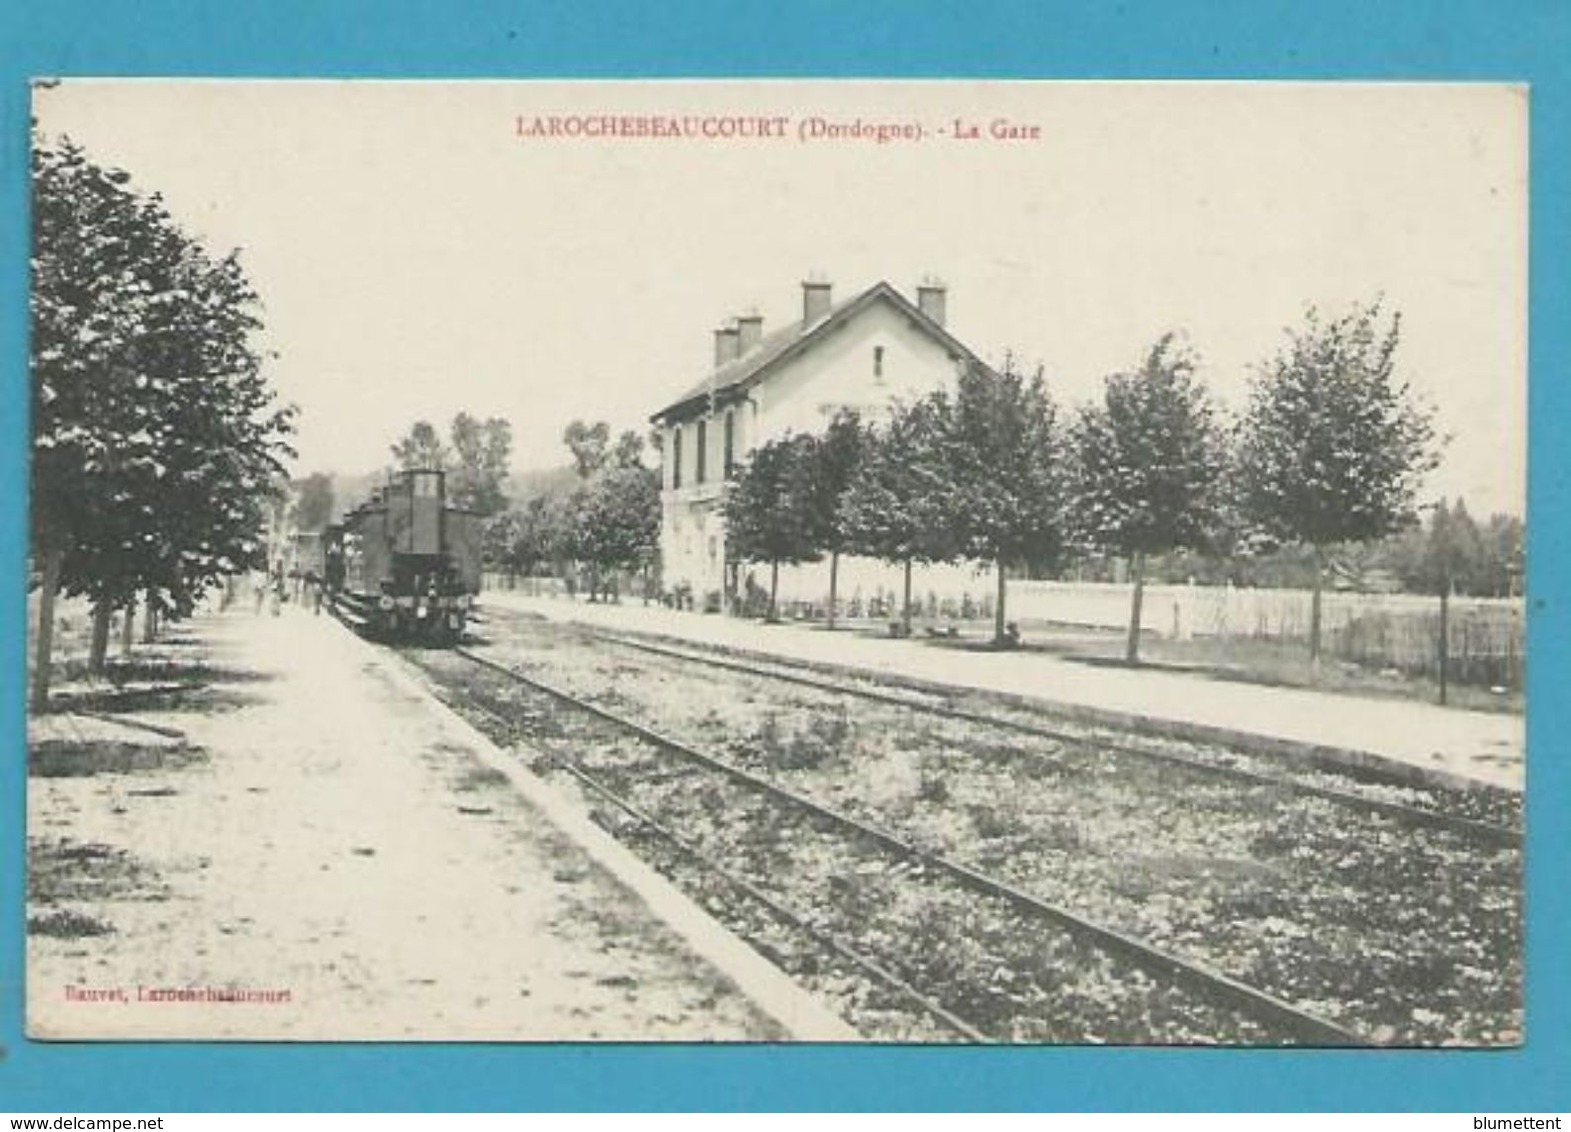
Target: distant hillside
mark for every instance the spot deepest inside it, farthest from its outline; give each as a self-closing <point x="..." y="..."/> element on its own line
<point x="524" y="485"/>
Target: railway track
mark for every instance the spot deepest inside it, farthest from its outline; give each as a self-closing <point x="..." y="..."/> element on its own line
<point x="1279" y="1019"/>
<point x="1483" y="832"/>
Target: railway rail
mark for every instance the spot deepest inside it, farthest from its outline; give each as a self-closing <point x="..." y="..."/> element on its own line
<point x="1223" y="992"/>
<point x="1483" y="832"/>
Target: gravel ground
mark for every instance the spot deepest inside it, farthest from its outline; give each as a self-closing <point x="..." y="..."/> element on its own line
<point x="317" y="836"/>
<point x="1411" y="936"/>
<point x="1010" y="977"/>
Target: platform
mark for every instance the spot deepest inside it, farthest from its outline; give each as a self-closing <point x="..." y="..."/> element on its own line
<point x="313" y="848"/>
<point x="1424" y="741"/>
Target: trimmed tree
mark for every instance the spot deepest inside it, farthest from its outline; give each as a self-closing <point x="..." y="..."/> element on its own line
<point x="1333" y="444"/>
<point x="616" y="522"/>
<point x="421" y="449"/>
<point x="155" y="433"/>
<point x="1005" y="495"/>
<point x="1148" y="462"/>
<point x="833" y="466"/>
<point x="771" y="513"/>
<point x="897" y="507"/>
<point x="589" y="444"/>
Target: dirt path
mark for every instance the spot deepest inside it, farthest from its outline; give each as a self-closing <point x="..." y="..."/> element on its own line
<point x="323" y="843"/>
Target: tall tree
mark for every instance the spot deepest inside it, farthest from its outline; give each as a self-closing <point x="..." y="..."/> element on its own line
<point x="1333" y="444"/>
<point x="629" y="450"/>
<point x="1148" y="461"/>
<point x="1005" y="497"/>
<point x="897" y="505"/>
<point x="616" y="522"/>
<point x="834" y="463"/>
<point x="421" y="449"/>
<point x="481" y="453"/>
<point x="589" y="445"/>
<point x="541" y="533"/>
<point x="769" y="516"/>
<point x="155" y="432"/>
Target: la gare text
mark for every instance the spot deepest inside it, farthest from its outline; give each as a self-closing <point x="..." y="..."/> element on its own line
<point x="764" y="127"/>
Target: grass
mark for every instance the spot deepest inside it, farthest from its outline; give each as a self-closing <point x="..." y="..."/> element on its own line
<point x="1287" y="664"/>
<point x="1284" y="664"/>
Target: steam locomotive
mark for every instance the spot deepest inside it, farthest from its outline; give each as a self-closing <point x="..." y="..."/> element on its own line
<point x="405" y="564"/>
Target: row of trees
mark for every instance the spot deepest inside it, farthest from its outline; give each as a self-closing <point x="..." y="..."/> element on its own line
<point x="606" y="520"/>
<point x="1331" y="448"/>
<point x="157" y="440"/>
<point x="476" y="459"/>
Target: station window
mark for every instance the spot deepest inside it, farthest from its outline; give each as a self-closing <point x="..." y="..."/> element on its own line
<point x="676" y="457"/>
<point x="702" y="444"/>
<point x="730" y="442"/>
<point x="878" y="362"/>
<point x="428" y="485"/>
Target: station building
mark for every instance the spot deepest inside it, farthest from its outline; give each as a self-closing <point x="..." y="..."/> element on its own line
<point x="863" y="353"/>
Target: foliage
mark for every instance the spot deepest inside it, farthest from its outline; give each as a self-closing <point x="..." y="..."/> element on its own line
<point x="421" y="449"/>
<point x="1451" y="554"/>
<point x="837" y="457"/>
<point x="1149" y="459"/>
<point x="896" y="507"/>
<point x="770" y="507"/>
<point x="1333" y="445"/>
<point x="1004" y="497"/>
<point x="616" y="519"/>
<point x="629" y="450"/>
<point x="156" y="435"/>
<point x="481" y="453"/>
<point x="589" y="445"/>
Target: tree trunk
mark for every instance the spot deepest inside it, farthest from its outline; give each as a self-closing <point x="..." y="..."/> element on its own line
<point x="905" y="601"/>
<point x="1314" y="613"/>
<point x="99" y="651"/>
<point x="998" y="613"/>
<point x="44" y="646"/>
<point x="834" y="578"/>
<point x="127" y="627"/>
<point x="774" y="586"/>
<point x="1137" y="575"/>
<point x="149" y="620"/>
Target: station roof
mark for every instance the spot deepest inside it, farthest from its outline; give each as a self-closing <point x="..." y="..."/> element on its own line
<point x="731" y="380"/>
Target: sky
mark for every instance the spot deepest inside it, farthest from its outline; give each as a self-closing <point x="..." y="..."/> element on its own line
<point x="426" y="248"/>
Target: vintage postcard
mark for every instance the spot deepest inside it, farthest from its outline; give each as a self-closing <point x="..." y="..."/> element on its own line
<point x="917" y="562"/>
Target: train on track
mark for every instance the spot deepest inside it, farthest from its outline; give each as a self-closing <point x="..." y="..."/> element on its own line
<point x="405" y="564"/>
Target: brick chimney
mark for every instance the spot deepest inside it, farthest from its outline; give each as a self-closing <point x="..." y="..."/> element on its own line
<point x="726" y="341"/>
<point x="930" y="299"/>
<point x="750" y="331"/>
<point x="815" y="300"/>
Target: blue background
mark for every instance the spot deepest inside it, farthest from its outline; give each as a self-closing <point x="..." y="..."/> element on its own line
<point x="1494" y="40"/>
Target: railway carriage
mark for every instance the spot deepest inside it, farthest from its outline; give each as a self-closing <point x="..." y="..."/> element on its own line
<point x="405" y="564"/>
